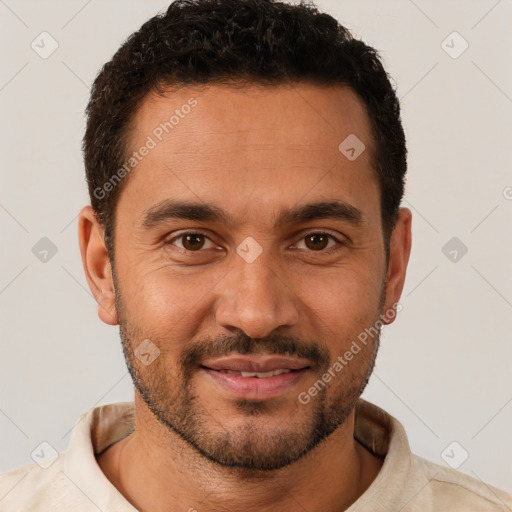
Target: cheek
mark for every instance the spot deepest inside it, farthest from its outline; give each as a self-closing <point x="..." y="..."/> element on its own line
<point x="167" y="306"/>
<point x="343" y="304"/>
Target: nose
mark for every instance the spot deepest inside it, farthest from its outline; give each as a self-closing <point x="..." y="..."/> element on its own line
<point x="256" y="299"/>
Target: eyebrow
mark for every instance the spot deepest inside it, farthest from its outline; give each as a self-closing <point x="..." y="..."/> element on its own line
<point x="169" y="209"/>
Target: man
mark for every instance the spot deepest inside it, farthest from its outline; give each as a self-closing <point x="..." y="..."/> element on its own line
<point x="245" y="162"/>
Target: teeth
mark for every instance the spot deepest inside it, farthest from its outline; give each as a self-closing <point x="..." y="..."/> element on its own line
<point x="263" y="375"/>
<point x="280" y="372"/>
<point x="259" y="375"/>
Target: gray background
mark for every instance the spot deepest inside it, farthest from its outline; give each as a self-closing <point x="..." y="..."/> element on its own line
<point x="444" y="366"/>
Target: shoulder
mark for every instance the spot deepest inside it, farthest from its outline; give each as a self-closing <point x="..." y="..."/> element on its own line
<point x="453" y="490"/>
<point x="34" y="489"/>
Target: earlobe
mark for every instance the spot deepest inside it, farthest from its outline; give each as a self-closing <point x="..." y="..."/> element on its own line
<point x="96" y="264"/>
<point x="399" y="252"/>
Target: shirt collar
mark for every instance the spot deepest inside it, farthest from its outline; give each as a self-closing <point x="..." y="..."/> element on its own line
<point x="105" y="425"/>
<point x="93" y="433"/>
<point x="385" y="437"/>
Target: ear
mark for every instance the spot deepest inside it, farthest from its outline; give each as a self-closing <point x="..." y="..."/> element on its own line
<point x="96" y="263"/>
<point x="399" y="251"/>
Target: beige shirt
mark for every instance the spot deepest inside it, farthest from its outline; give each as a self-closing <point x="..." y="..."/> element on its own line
<point x="74" y="482"/>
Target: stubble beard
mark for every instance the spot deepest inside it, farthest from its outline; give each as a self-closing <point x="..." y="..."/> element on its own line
<point x="254" y="446"/>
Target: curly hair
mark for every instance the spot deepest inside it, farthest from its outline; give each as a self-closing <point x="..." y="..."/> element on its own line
<point x="263" y="42"/>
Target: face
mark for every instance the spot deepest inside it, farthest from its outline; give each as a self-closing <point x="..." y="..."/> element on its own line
<point x="249" y="251"/>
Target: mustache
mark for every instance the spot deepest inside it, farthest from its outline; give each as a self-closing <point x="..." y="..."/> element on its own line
<point x="193" y="355"/>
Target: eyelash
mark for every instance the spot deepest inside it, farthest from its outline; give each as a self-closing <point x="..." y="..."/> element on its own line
<point x="323" y="251"/>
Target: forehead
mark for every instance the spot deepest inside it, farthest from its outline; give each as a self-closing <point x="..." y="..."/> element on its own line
<point x="215" y="139"/>
<point x="299" y="114"/>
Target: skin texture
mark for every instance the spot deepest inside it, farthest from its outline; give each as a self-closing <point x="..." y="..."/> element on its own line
<point x="255" y="152"/>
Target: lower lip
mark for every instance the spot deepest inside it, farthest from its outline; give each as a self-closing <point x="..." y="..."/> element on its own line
<point x="254" y="388"/>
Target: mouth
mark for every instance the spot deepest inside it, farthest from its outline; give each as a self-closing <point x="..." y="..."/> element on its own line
<point x="259" y="375"/>
<point x="255" y="377"/>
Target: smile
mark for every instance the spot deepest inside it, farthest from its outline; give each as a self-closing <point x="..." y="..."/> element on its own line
<point x="255" y="377"/>
<point x="259" y="375"/>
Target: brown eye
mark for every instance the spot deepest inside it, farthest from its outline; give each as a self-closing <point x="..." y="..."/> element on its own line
<point x="317" y="241"/>
<point x="193" y="242"/>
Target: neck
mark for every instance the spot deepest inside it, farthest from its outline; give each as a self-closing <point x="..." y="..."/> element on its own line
<point x="157" y="470"/>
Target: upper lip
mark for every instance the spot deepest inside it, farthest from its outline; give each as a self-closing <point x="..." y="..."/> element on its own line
<point x="256" y="363"/>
